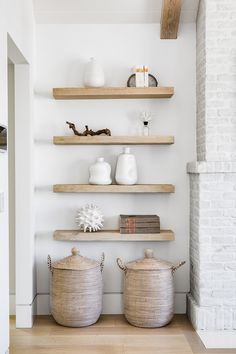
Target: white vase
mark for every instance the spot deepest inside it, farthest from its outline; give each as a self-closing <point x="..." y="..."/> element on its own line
<point x="93" y="75"/>
<point x="100" y="172"/>
<point x="126" y="168"/>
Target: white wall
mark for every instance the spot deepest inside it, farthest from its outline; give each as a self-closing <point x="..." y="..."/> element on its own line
<point x="62" y="51"/>
<point x="16" y="18"/>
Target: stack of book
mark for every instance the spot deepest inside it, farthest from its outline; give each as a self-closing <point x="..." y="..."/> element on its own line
<point x="139" y="224"/>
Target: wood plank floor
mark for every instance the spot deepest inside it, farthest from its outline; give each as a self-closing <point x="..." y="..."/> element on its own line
<point x="111" y="335"/>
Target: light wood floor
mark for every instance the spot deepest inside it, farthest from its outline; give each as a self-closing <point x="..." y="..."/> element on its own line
<point x="111" y="335"/>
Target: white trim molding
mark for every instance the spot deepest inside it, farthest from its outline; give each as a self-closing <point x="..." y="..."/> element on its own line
<point x="199" y="167"/>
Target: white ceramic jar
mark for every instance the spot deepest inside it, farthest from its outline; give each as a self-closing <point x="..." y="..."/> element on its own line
<point x="126" y="168"/>
<point x="100" y="172"/>
<point x="93" y="75"/>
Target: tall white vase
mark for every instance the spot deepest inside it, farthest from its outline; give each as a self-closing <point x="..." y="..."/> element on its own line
<point x="100" y="172"/>
<point x="93" y="75"/>
<point x="126" y="168"/>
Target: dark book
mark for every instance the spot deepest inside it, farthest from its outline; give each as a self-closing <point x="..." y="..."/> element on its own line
<point x="126" y="223"/>
<point x="147" y="230"/>
<point x="134" y="222"/>
<point x="140" y="218"/>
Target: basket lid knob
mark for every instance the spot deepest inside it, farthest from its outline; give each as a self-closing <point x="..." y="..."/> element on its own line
<point x="75" y="251"/>
<point x="148" y="253"/>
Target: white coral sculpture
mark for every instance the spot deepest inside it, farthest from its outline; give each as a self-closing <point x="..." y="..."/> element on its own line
<point x="89" y="218"/>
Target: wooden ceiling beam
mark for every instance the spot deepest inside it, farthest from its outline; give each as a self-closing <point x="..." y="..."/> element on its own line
<point x="170" y="17"/>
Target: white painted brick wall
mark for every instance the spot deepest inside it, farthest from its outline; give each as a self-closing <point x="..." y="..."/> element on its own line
<point x="213" y="236"/>
<point x="200" y="83"/>
<point x="212" y="302"/>
<point x="213" y="248"/>
<point x="216" y="80"/>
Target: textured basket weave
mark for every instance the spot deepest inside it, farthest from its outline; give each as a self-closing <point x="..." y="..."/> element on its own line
<point x="148" y="291"/>
<point x="76" y="290"/>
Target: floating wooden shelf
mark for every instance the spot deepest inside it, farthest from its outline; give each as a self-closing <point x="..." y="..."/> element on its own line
<point x="113" y="188"/>
<point x="82" y="93"/>
<point x="113" y="140"/>
<point x="111" y="235"/>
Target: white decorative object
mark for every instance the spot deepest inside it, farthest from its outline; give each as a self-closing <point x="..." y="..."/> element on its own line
<point x="146" y="119"/>
<point x="93" y="75"/>
<point x="100" y="172"/>
<point x="89" y="218"/>
<point x="139" y="76"/>
<point x="126" y="168"/>
<point x="146" y="76"/>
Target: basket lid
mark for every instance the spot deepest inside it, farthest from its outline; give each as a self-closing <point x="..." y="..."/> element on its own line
<point x="149" y="262"/>
<point x="75" y="262"/>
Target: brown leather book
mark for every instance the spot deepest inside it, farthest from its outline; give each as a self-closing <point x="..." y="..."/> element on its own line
<point x="148" y="230"/>
<point x="139" y="224"/>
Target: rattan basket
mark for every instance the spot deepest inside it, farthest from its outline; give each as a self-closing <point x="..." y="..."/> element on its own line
<point x="148" y="291"/>
<point x="76" y="290"/>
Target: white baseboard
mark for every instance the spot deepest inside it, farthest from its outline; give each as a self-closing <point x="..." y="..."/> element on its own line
<point x="218" y="339"/>
<point x="180" y="303"/>
<point x="12" y="304"/>
<point x="112" y="303"/>
<point x="43" y="304"/>
<point x="25" y="314"/>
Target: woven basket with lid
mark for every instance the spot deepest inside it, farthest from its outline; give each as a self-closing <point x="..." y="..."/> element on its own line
<point x="148" y="291"/>
<point x="76" y="290"/>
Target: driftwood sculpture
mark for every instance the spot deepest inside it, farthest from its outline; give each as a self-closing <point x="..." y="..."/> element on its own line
<point x="88" y="131"/>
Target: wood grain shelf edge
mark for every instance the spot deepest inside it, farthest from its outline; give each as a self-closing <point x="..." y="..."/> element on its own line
<point x="71" y="93"/>
<point x="111" y="235"/>
<point x="114" y="140"/>
<point x="113" y="188"/>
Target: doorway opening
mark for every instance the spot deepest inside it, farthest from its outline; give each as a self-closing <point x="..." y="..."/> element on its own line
<point x="22" y="290"/>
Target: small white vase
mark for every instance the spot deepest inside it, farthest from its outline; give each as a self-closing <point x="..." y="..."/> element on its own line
<point x="126" y="168"/>
<point x="93" y="75"/>
<point x="100" y="172"/>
